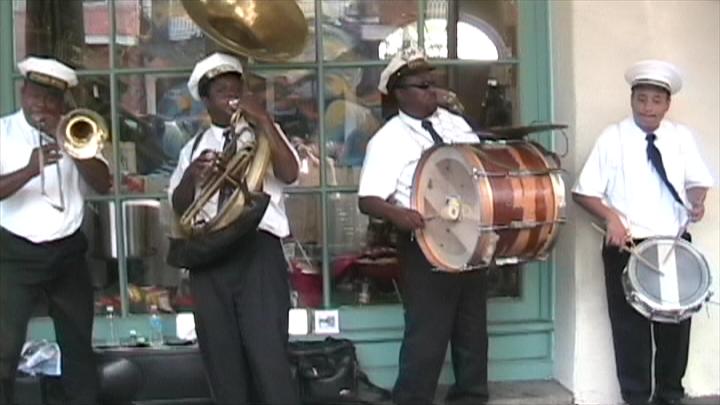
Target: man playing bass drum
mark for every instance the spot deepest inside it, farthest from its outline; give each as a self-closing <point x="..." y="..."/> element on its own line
<point x="440" y="307"/>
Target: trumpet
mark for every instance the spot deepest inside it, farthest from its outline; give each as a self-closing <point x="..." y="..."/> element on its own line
<point x="81" y="134"/>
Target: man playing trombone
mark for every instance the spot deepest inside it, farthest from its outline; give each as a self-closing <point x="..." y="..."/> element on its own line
<point x="43" y="250"/>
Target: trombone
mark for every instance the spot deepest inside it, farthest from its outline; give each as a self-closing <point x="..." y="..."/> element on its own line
<point x="81" y="134"/>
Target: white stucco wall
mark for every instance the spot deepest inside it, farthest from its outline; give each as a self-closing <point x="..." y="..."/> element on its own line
<point x="593" y="43"/>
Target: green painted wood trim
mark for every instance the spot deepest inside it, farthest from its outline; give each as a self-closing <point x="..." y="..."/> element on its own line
<point x="526" y="319"/>
<point x="7" y="65"/>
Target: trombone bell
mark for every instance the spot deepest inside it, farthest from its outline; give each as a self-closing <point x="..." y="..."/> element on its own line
<point x="82" y="133"/>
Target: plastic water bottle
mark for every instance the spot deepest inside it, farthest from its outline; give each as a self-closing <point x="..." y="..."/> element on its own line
<point x="156" y="329"/>
<point x="113" y="335"/>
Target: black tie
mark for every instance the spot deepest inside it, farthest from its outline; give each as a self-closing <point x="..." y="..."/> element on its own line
<point x="428" y="126"/>
<point x="655" y="158"/>
<point x="226" y="189"/>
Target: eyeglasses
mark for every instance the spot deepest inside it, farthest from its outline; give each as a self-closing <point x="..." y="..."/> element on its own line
<point x="422" y="86"/>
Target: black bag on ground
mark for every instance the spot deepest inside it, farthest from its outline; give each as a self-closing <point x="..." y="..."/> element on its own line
<point x="327" y="372"/>
<point x="202" y="250"/>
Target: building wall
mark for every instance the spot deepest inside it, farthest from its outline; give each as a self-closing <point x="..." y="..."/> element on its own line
<point x="593" y="43"/>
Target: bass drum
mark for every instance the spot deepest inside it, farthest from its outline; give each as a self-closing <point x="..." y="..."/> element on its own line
<point x="675" y="288"/>
<point x="488" y="203"/>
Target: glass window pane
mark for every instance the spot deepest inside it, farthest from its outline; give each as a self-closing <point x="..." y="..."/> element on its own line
<point x="353" y="29"/>
<point x="365" y="266"/>
<point x="99" y="227"/>
<point x="488" y="94"/>
<point x="482" y="30"/>
<point x="160" y="33"/>
<point x="151" y="281"/>
<point x="352" y="115"/>
<point x="291" y="98"/>
<point x="75" y="32"/>
<point x="504" y="281"/>
<point x="156" y="117"/>
<point x="303" y="249"/>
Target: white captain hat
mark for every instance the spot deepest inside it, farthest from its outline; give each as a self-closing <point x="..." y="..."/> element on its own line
<point x="656" y="73"/>
<point x="210" y="67"/>
<point x="48" y="72"/>
<point x="409" y="60"/>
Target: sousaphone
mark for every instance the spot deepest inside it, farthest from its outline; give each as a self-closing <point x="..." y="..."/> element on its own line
<point x="267" y="30"/>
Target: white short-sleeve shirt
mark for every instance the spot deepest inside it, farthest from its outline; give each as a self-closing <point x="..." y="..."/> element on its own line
<point x="275" y="220"/>
<point x="619" y="172"/>
<point x="394" y="151"/>
<point x="27" y="213"/>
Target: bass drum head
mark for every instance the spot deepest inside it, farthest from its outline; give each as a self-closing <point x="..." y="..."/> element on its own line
<point x="679" y="291"/>
<point x="445" y="192"/>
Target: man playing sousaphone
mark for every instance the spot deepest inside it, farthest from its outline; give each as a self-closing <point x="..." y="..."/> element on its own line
<point x="42" y="249"/>
<point x="644" y="178"/>
<point x="440" y="307"/>
<point x="241" y="296"/>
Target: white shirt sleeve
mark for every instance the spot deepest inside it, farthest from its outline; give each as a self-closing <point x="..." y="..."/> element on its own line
<point x="697" y="173"/>
<point x="595" y="175"/>
<point x="381" y="169"/>
<point x="294" y="153"/>
<point x="184" y="160"/>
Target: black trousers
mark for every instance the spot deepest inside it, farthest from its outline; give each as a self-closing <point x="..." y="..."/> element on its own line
<point x="633" y="336"/>
<point x="440" y="308"/>
<point x="58" y="272"/>
<point x="241" y="317"/>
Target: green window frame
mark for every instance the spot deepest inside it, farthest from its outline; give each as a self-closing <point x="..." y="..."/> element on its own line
<point x="525" y="321"/>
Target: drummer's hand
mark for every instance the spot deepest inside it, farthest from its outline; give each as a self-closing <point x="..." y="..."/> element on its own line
<point x="616" y="232"/>
<point x="696" y="211"/>
<point x="407" y="219"/>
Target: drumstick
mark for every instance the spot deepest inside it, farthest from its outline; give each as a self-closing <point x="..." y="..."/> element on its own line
<point x="677" y="239"/>
<point x="631" y="251"/>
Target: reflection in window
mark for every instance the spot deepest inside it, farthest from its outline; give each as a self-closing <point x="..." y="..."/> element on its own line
<point x="478" y="41"/>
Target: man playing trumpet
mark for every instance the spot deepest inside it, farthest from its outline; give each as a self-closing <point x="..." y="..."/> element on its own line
<point x="242" y="295"/>
<point x="42" y="193"/>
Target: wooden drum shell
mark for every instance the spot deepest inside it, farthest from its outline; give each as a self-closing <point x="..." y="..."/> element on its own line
<point x="507" y="201"/>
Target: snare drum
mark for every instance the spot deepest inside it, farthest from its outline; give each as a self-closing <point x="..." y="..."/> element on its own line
<point x="498" y="202"/>
<point x="678" y="290"/>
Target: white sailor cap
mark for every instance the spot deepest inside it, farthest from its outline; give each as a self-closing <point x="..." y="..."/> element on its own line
<point x="210" y="67"/>
<point x="48" y="72"/>
<point x="655" y="72"/>
<point x="409" y="60"/>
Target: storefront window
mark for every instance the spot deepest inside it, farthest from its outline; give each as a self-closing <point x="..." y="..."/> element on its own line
<point x="134" y="58"/>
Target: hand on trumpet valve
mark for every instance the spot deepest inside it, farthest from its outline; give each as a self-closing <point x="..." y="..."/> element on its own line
<point x="203" y="165"/>
<point x="50" y="155"/>
<point x="252" y="109"/>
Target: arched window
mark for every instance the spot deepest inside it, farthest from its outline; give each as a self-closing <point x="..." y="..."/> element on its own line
<point x="477" y="40"/>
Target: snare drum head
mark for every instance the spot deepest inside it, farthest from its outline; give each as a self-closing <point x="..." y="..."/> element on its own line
<point x="445" y="193"/>
<point x="683" y="285"/>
